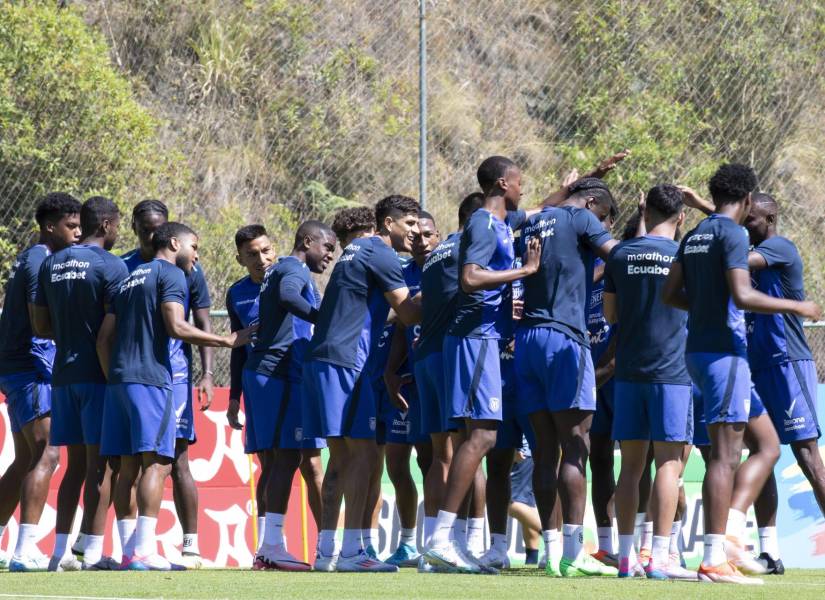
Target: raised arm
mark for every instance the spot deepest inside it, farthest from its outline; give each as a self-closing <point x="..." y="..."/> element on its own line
<point x="694" y="200"/>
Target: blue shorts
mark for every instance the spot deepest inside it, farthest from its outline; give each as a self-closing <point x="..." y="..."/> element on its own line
<point x="77" y="414"/>
<point x="660" y="412"/>
<point x="788" y="391"/>
<point x="521" y="482"/>
<point x="432" y="399"/>
<point x="700" y="428"/>
<point x="138" y="418"/>
<point x="184" y="417"/>
<point x="603" y="417"/>
<point x="554" y="371"/>
<point x="472" y="378"/>
<point x="273" y="410"/>
<point x="28" y="397"/>
<point x="725" y="383"/>
<point x="400" y="427"/>
<point x="342" y="403"/>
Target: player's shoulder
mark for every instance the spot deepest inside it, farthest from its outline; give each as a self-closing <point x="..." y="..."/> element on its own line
<point x="33" y="255"/>
<point x="780" y="243"/>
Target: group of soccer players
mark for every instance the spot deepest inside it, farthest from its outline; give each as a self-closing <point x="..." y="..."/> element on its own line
<point x="523" y="334"/>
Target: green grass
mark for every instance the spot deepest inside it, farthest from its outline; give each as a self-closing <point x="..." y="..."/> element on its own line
<point x="518" y="585"/>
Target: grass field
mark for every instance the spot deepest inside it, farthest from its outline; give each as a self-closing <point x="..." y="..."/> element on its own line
<point x="518" y="585"/>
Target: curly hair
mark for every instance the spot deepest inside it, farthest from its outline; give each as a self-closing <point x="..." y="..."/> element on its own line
<point x="731" y="183"/>
<point x="353" y="220"/>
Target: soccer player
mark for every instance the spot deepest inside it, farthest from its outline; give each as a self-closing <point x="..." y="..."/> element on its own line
<point x="470" y="351"/>
<point x="653" y="389"/>
<point x="554" y="368"/>
<point x="366" y="281"/>
<point x="76" y="286"/>
<point x="134" y="350"/>
<point x="348" y="224"/>
<point x="25" y="380"/>
<point x="779" y="356"/>
<point x="439" y="289"/>
<point x="402" y="417"/>
<point x="710" y="279"/>
<point x="147" y="216"/>
<point x="272" y="379"/>
<point x="255" y="254"/>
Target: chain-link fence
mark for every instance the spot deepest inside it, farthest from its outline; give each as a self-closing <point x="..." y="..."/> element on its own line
<point x="277" y="110"/>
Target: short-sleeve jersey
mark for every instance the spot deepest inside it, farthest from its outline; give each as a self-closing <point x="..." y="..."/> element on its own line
<point x="242" y="303"/>
<point x="76" y="284"/>
<point x="487" y="242"/>
<point x="20" y="349"/>
<point x="197" y="297"/>
<point x="715" y="324"/>
<point x="775" y="339"/>
<point x="651" y="340"/>
<point x="557" y="295"/>
<point x="439" y="288"/>
<point x="354" y="302"/>
<point x="141" y="350"/>
<point x="280" y="348"/>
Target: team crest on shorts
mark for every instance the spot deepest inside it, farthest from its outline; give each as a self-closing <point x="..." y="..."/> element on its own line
<point x="748" y="404"/>
<point x="299" y="434"/>
<point x="372" y="423"/>
<point x="494" y="403"/>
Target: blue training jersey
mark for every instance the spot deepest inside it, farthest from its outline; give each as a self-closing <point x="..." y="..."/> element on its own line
<point x="76" y="284"/>
<point x="775" y="339"/>
<point x="713" y="247"/>
<point x="439" y="288"/>
<point x="599" y="330"/>
<point x="20" y="350"/>
<point x="651" y="343"/>
<point x="354" y="303"/>
<point x="280" y="348"/>
<point x="412" y="275"/>
<point x="242" y="303"/>
<point x="487" y="242"/>
<point x="197" y="297"/>
<point x="141" y="350"/>
<point x="557" y="295"/>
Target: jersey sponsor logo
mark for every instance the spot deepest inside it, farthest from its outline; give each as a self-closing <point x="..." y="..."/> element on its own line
<point x="543" y="228"/>
<point x="442" y="251"/>
<point x="647" y="270"/>
<point x="349" y="253"/>
<point x="698" y="249"/>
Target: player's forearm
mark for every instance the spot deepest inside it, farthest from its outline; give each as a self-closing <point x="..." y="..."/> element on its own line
<point x="755" y="301"/>
<point x="398" y="352"/>
<point x="477" y="279"/>
<point x="237" y="359"/>
<point x="605" y="373"/>
<point x="409" y="311"/>
<point x="204" y="323"/>
<point x="186" y="332"/>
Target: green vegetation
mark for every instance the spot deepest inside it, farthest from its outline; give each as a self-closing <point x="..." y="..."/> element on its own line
<point x="278" y="110"/>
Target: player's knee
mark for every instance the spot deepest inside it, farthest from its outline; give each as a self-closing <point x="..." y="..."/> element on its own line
<point x="49" y="460"/>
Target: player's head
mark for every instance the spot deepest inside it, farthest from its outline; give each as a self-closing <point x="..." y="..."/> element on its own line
<point x="427" y="238"/>
<point x="664" y="203"/>
<point x="353" y="222"/>
<point x="761" y="220"/>
<point x="100" y="218"/>
<point x="255" y="251"/>
<point x="147" y="216"/>
<point x="316" y="240"/>
<point x="500" y="176"/>
<point x="396" y="216"/>
<point x="732" y="184"/>
<point x="58" y="217"/>
<point x="178" y="240"/>
<point x="593" y="194"/>
<point x="468" y="206"/>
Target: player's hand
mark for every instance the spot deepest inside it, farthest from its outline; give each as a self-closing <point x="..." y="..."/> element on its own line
<point x="608" y="164"/>
<point x="810" y="310"/>
<point x="242" y="337"/>
<point x="394" y="384"/>
<point x="570" y="178"/>
<point x="693" y="200"/>
<point x="641" y="205"/>
<point x="232" y="413"/>
<point x="205" y="391"/>
<point x="532" y="258"/>
<point x="518" y="457"/>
